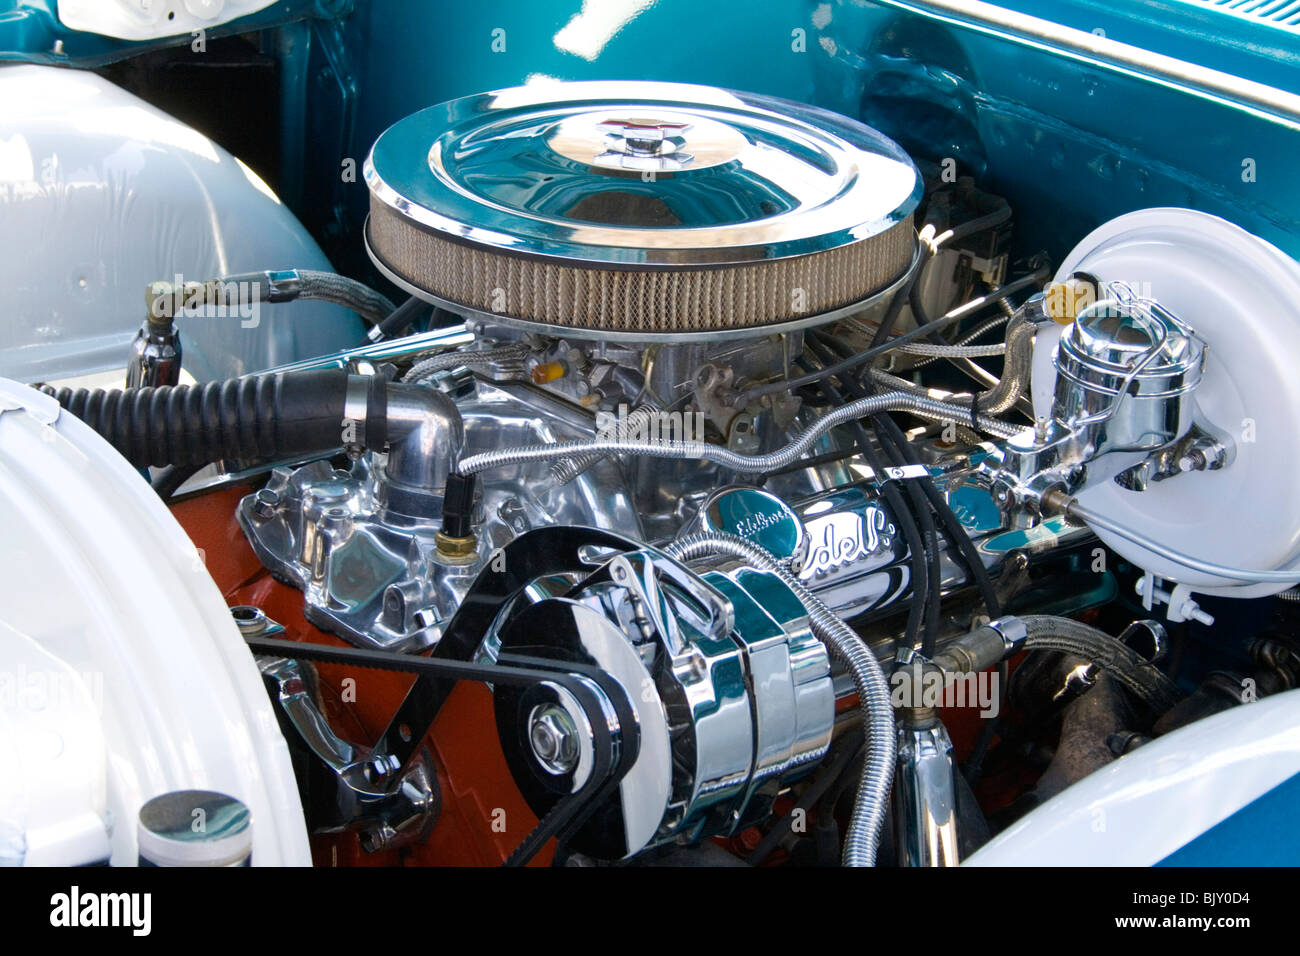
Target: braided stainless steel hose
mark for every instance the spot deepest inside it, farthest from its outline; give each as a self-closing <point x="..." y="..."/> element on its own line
<point x="863" y="838"/>
<point x="954" y="351"/>
<point x="984" y="327"/>
<point x="467" y="358"/>
<point x="1008" y="389"/>
<point x="743" y="464"/>
<point x="1139" y="676"/>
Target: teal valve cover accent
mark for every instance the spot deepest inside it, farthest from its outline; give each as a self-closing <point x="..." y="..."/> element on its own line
<point x="756" y="516"/>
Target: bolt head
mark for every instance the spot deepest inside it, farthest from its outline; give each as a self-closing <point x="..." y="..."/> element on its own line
<point x="381" y="768"/>
<point x="264" y="503"/>
<point x="553" y="738"/>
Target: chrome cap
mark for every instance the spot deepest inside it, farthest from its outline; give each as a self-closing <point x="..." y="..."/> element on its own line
<point x="1136" y="346"/>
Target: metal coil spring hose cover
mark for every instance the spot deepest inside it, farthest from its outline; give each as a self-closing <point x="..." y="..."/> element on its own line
<point x="648" y="208"/>
<point x="743" y="464"/>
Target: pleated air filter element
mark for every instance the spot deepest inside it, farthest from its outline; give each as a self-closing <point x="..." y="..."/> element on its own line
<point x="643" y="209"/>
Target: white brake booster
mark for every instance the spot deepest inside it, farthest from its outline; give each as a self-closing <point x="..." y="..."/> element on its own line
<point x="1167" y="406"/>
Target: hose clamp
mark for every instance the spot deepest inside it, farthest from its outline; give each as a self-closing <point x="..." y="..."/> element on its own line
<point x="283" y="286"/>
<point x="903" y="473"/>
<point x="1013" y="631"/>
<point x="356" y="408"/>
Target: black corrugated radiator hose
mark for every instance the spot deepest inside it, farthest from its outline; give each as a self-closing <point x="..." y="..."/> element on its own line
<point x="268" y="416"/>
<point x="281" y="415"/>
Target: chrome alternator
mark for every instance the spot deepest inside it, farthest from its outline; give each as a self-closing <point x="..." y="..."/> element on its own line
<point x="733" y="698"/>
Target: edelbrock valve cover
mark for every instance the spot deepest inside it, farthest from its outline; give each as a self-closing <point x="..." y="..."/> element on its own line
<point x="655" y="209"/>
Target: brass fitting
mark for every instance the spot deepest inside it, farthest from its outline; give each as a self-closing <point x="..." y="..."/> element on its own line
<point x="456" y="548"/>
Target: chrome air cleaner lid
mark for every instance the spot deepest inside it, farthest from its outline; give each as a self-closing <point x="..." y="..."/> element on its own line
<point x="640" y="207"/>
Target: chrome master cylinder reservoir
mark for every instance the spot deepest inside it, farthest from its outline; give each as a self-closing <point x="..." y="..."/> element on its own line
<point x="1127" y="370"/>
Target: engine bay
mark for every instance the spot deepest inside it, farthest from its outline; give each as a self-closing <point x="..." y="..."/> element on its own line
<point x="723" y="485"/>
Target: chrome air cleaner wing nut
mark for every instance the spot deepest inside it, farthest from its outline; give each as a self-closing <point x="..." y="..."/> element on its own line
<point x="645" y="209"/>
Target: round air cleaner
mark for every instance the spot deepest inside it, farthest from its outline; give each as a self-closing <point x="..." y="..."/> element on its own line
<point x="654" y="210"/>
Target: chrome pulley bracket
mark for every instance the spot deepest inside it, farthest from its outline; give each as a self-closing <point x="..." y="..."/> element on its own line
<point x="540" y="553"/>
<point x="549" y="744"/>
<point x="369" y="795"/>
<point x="598" y="698"/>
<point x="640" y="571"/>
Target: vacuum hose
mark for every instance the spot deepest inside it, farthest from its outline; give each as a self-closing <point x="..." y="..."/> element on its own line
<point x="1127" y="666"/>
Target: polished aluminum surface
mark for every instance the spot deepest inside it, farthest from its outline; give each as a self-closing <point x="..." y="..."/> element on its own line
<point x="1126" y="372"/>
<point x="426" y="436"/>
<point x="368" y="565"/>
<point x="362" y="545"/>
<point x="789" y="671"/>
<point x="856" y="560"/>
<point x="925" y="795"/>
<point x="728" y="653"/>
